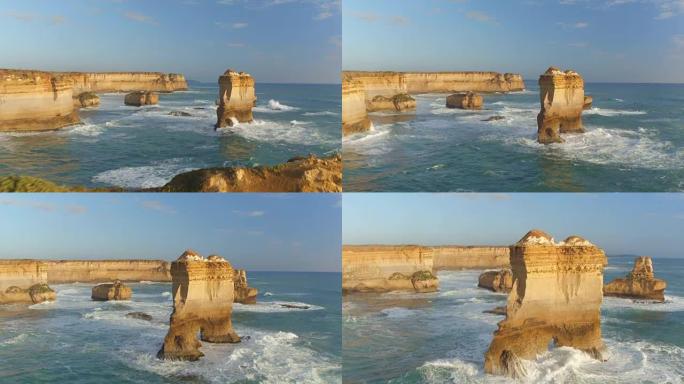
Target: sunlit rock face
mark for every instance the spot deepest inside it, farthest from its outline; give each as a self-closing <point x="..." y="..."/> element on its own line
<point x="396" y="103"/>
<point x="638" y="284"/>
<point x="111" y="291"/>
<point x="236" y="99"/>
<point x="453" y="257"/>
<point x="465" y="100"/>
<point x="203" y="294"/>
<point x="100" y="271"/>
<point x="556" y="298"/>
<point x="24" y="281"/>
<point x="497" y="281"/>
<point x="561" y="95"/>
<point x="140" y="98"/>
<point x="354" y="114"/>
<point x="387" y="268"/>
<point x="101" y="82"/>
<point x="244" y="294"/>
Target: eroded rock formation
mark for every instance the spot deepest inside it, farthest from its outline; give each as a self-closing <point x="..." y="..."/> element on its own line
<point x="101" y="82"/>
<point x="638" y="284"/>
<point x="86" y="100"/>
<point x="456" y="257"/>
<point x="202" y="302"/>
<point x="387" y="268"/>
<point x="111" y="291"/>
<point x="140" y="98"/>
<point x="588" y="101"/>
<point x="561" y="95"/>
<point x="354" y="115"/>
<point x="497" y="281"/>
<point x="398" y="103"/>
<point x="236" y="99"/>
<point x="556" y="297"/>
<point x="466" y="100"/>
<point x="24" y="281"/>
<point x="244" y="294"/>
<point x="300" y="174"/>
<point x="35" y="101"/>
<point x="100" y="271"/>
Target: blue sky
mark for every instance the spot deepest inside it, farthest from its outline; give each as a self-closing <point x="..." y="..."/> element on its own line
<point x="274" y="40"/>
<point x="628" y="223"/>
<point x="605" y="40"/>
<point x="273" y="232"/>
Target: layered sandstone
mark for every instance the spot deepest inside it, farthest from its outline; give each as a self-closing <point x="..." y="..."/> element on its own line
<point x="299" y="174"/>
<point x="354" y="115"/>
<point x="24" y="281"/>
<point x="244" y="294"/>
<point x="465" y="100"/>
<point x="102" y="82"/>
<point x="455" y="257"/>
<point x="556" y="296"/>
<point x="140" y="98"/>
<point x="100" y="271"/>
<point x="86" y="100"/>
<point x="203" y="293"/>
<point x="236" y="99"/>
<point x="640" y="283"/>
<point x="497" y="281"/>
<point x="561" y="95"/>
<point x="35" y="101"/>
<point x="393" y="83"/>
<point x="396" y="103"/>
<point x="111" y="291"/>
<point x="369" y="268"/>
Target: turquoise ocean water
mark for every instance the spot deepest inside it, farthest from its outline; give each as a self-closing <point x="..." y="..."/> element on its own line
<point x="133" y="147"/>
<point x="442" y="337"/>
<point x="77" y="340"/>
<point x="634" y="142"/>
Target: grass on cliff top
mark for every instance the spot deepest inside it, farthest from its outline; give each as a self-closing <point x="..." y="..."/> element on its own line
<point x="35" y="184"/>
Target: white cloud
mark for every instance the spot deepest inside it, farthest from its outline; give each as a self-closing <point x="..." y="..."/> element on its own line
<point x="139" y="17"/>
<point x="255" y="213"/>
<point x="240" y="25"/>
<point x="156" y="205"/>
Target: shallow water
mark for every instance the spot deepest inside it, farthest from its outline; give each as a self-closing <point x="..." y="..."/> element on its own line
<point x="442" y="337"/>
<point x="634" y="142"/>
<point x="132" y="147"/>
<point x="77" y="340"/>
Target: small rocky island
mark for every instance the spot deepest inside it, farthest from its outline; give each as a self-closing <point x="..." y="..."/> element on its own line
<point x="640" y="283"/>
<point x="561" y="95"/>
<point x="111" y="291"/>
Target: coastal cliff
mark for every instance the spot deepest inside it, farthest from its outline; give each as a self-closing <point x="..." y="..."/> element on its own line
<point x="35" y="101"/>
<point x="354" y="115"/>
<point x="392" y="83"/>
<point x="470" y="257"/>
<point x="561" y="95"/>
<point x="640" y="283"/>
<point x="202" y="302"/>
<point x="24" y="281"/>
<point x="369" y="268"/>
<point x="556" y="296"/>
<point x="101" y="271"/>
<point x="236" y="99"/>
<point x="101" y="82"/>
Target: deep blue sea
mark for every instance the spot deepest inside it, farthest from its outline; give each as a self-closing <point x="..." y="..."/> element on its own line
<point x="133" y="147"/>
<point x="442" y="337"/>
<point x="634" y="142"/>
<point x="77" y="340"/>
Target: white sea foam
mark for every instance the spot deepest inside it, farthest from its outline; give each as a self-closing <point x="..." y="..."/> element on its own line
<point x="147" y="176"/>
<point x="322" y="113"/>
<point x="274" y="106"/>
<point x="611" y="112"/>
<point x="18" y="339"/>
<point x="268" y="294"/>
<point x="273" y="131"/>
<point x="275" y="307"/>
<point x="671" y="304"/>
<point x="397" y="312"/>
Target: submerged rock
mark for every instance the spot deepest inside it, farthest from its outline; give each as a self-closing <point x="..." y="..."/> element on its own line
<point x="139" y="316"/>
<point x="496" y="311"/>
<point x="295" y="306"/>
<point x="561" y="95"/>
<point x="202" y="302"/>
<point x="236" y="99"/>
<point x="111" y="291"/>
<point x="556" y="297"/>
<point x="467" y="100"/>
<point x="179" y="113"/>
<point x="494" y="118"/>
<point x="400" y="102"/>
<point x="638" y="284"/>
<point x="141" y="98"/>
<point x="497" y="281"/>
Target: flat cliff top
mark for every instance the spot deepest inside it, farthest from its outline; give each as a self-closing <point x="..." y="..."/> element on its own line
<point x="391" y="246"/>
<point x="386" y="73"/>
<point x="14" y="261"/>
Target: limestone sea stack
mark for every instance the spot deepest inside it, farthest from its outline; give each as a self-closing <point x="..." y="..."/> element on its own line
<point x="466" y="100"/>
<point x="369" y="268"/>
<point x="24" y="281"/>
<point x="354" y="114"/>
<point x="236" y="99"/>
<point x="86" y="100"/>
<point x="35" y="101"/>
<point x="203" y="293"/>
<point x="638" y="284"/>
<point x="588" y="101"/>
<point x="397" y="103"/>
<point x="244" y="294"/>
<point x="556" y="297"/>
<point x="561" y="95"/>
<point x="111" y="291"/>
<point x="140" y="98"/>
<point x="497" y="281"/>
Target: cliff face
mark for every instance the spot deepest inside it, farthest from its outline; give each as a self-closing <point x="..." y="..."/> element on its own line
<point x="458" y="257"/>
<point x="497" y="281"/>
<point x="354" y="115"/>
<point x="638" y="284"/>
<point x="35" y="101"/>
<point x="556" y="296"/>
<point x="387" y="268"/>
<point x="561" y="95"/>
<point x="111" y="291"/>
<point x="236" y="99"/>
<point x="100" y="82"/>
<point x="98" y="271"/>
<point x="202" y="302"/>
<point x="397" y="103"/>
<point x="24" y="281"/>
<point x="244" y="294"/>
<point x="393" y="83"/>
